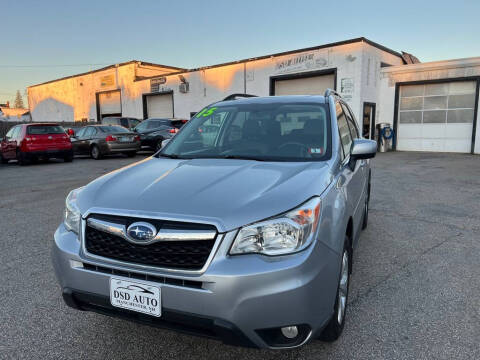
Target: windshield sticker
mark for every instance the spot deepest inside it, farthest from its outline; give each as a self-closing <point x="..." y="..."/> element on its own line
<point x="206" y="112"/>
<point x="315" y="150"/>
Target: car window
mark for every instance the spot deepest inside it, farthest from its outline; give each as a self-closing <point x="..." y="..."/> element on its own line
<point x="111" y="121"/>
<point x="88" y="132"/>
<point x="133" y="122"/>
<point x="154" y="124"/>
<point x="80" y="133"/>
<point x="344" y="130"/>
<point x="142" y="126"/>
<point x="267" y="131"/>
<point x="44" y="129"/>
<point x="351" y="122"/>
<point x="113" y="129"/>
<point x="10" y="132"/>
<point x="16" y="133"/>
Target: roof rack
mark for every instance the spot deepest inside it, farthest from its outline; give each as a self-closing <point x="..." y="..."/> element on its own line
<point x="329" y="92"/>
<point x="235" y="96"/>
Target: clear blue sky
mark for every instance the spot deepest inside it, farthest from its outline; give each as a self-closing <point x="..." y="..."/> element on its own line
<point x="40" y="36"/>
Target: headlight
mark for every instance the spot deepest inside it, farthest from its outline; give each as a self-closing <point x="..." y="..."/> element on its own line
<point x="284" y="234"/>
<point x="72" y="214"/>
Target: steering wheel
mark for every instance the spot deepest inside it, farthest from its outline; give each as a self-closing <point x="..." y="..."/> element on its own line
<point x="303" y="147"/>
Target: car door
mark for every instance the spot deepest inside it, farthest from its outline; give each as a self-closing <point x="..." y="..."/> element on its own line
<point x="358" y="174"/>
<point x="78" y="141"/>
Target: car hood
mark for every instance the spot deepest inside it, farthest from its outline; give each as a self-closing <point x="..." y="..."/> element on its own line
<point x="228" y="193"/>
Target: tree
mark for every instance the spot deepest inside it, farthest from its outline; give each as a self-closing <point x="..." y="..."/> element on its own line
<point x="18" y="103"/>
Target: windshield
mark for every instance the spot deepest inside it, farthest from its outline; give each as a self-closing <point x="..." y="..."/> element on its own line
<point x="44" y="129"/>
<point x="270" y="132"/>
<point x="113" y="129"/>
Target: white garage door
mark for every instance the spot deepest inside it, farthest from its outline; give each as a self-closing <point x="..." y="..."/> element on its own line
<point x="315" y="85"/>
<point x="160" y="106"/>
<point x="110" y="103"/>
<point x="436" y="117"/>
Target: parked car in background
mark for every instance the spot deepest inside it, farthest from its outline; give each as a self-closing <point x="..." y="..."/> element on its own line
<point x="153" y="131"/>
<point x="126" y="122"/>
<point x="100" y="140"/>
<point x="257" y="249"/>
<point x="31" y="142"/>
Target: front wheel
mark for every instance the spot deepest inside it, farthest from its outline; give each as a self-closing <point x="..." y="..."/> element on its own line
<point x="335" y="326"/>
<point x="21" y="158"/>
<point x="3" y="160"/>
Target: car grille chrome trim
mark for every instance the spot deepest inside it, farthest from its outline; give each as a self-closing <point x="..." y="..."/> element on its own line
<point x="140" y="267"/>
<point x="164" y="234"/>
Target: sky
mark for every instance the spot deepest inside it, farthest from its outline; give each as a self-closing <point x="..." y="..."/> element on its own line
<point x="49" y="39"/>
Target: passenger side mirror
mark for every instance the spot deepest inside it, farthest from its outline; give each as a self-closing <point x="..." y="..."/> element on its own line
<point x="362" y="149"/>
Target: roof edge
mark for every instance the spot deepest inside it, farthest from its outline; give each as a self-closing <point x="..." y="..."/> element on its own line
<point x="318" y="47"/>
<point x="107" y="68"/>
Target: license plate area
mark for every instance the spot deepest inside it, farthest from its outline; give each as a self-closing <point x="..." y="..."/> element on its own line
<point x="125" y="139"/>
<point x="136" y="296"/>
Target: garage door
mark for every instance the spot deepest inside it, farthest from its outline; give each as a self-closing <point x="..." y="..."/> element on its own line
<point x="110" y="103"/>
<point x="160" y="106"/>
<point x="314" y="85"/>
<point x="436" y="117"/>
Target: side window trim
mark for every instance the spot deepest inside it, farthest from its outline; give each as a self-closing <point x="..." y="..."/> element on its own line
<point x="351" y="119"/>
<point x="346" y="157"/>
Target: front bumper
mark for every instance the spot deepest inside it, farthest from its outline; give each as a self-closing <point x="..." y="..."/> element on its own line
<point x="235" y="299"/>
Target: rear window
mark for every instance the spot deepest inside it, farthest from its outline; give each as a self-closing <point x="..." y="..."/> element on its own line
<point x="44" y="129"/>
<point x="113" y="129"/>
<point x="111" y="121"/>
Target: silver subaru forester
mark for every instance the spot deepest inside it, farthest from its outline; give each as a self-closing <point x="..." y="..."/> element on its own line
<point x="241" y="228"/>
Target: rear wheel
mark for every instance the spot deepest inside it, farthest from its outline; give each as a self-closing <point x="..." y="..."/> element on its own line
<point x="131" y="153"/>
<point x="95" y="153"/>
<point x="159" y="145"/>
<point x="21" y="158"/>
<point x="366" y="206"/>
<point x="68" y="158"/>
<point x="3" y="160"/>
<point x="335" y="326"/>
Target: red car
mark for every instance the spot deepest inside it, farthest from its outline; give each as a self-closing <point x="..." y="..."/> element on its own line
<point x="30" y="142"/>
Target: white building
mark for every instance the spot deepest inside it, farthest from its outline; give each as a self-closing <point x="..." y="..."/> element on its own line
<point x="372" y="78"/>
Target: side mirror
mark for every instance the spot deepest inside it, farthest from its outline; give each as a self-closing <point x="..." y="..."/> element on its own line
<point x="362" y="149"/>
<point x="165" y="142"/>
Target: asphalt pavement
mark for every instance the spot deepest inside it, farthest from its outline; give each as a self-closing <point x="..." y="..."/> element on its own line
<point x="415" y="291"/>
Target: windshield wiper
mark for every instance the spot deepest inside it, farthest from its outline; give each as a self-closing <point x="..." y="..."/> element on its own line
<point x="241" y="157"/>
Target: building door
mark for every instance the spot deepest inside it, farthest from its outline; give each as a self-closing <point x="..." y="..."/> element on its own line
<point x="436" y="116"/>
<point x="368" y="125"/>
<point x="158" y="105"/>
<point x="299" y="84"/>
<point x="109" y="103"/>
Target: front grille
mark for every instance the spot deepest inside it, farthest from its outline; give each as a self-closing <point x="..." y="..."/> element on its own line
<point x="185" y="254"/>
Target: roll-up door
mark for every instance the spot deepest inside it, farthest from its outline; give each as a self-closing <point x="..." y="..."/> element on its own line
<point x="159" y="106"/>
<point x="313" y="85"/>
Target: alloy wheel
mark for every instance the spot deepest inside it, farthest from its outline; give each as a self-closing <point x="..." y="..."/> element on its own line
<point x="343" y="288"/>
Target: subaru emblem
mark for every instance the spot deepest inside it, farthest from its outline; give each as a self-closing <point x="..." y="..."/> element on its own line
<point x="141" y="232"/>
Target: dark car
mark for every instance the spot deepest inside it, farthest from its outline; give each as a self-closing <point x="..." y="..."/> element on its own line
<point x="153" y="131"/>
<point x="100" y="140"/>
<point x="126" y="122"/>
<point x="30" y="142"/>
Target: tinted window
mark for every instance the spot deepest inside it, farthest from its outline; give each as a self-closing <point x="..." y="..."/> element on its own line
<point x="133" y="122"/>
<point x="344" y="130"/>
<point x="89" y="132"/>
<point x="44" y="129"/>
<point x="275" y="132"/>
<point x="112" y="129"/>
<point x="111" y="121"/>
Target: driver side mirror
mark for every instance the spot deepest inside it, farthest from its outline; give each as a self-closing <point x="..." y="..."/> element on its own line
<point x="362" y="149"/>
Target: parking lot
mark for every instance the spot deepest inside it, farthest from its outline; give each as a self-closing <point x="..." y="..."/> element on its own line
<point x="415" y="290"/>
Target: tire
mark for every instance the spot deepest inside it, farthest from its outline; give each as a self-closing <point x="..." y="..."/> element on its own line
<point x="21" y="158"/>
<point x="131" y="153"/>
<point x="68" y="158"/>
<point x="159" y="145"/>
<point x="95" y="152"/>
<point x="3" y="160"/>
<point x="334" y="328"/>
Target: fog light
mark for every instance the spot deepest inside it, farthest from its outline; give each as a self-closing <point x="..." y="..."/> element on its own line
<point x="290" y="332"/>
